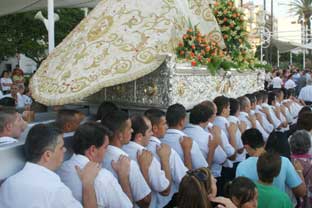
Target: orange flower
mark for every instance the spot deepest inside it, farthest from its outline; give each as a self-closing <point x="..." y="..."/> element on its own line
<point x="207" y="48"/>
<point x="190" y="30"/>
<point x="193" y="46"/>
<point x="234" y="15"/>
<point x="194" y="63"/>
<point x="192" y="54"/>
<point x="199" y="57"/>
<point x="231" y="25"/>
<point x="180" y="44"/>
<point x="208" y="60"/>
<point x="225" y="19"/>
<point x="225" y="12"/>
<point x="182" y="53"/>
<point x="202" y="52"/>
<point x="216" y="3"/>
<point x="225" y="37"/>
<point x="185" y="36"/>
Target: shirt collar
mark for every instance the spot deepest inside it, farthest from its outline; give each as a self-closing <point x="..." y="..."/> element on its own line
<point x="155" y="139"/>
<point x="234" y="118"/>
<point x="175" y="131"/>
<point x="135" y="145"/>
<point x="80" y="158"/>
<point x="243" y="114"/>
<point x="33" y="167"/>
<point x="116" y="150"/>
<point x="7" y="140"/>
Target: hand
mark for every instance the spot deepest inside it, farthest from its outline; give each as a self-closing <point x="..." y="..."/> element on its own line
<point x="259" y="117"/>
<point x="232" y="128"/>
<point x="213" y="142"/>
<point x="186" y="144"/>
<point x="163" y="151"/>
<point x="144" y="159"/>
<point x="122" y="166"/>
<point x="298" y="165"/>
<point x="252" y="119"/>
<point x="88" y="174"/>
<point x="222" y="201"/>
<point x="266" y="111"/>
<point x="215" y="131"/>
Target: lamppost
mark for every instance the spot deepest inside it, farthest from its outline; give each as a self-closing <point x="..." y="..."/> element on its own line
<point x="265" y="33"/>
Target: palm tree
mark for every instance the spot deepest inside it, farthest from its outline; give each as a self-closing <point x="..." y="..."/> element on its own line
<point x="303" y="9"/>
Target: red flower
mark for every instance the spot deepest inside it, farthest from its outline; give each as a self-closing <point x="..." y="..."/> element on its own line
<point x="208" y="60"/>
<point x="225" y="19"/>
<point x="207" y="48"/>
<point x="182" y="53"/>
<point x="192" y="54"/>
<point x="180" y="44"/>
<point x="194" y="63"/>
<point x="193" y="46"/>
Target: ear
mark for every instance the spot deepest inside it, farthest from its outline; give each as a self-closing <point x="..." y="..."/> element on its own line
<point x="138" y="137"/>
<point x="67" y="126"/>
<point x="154" y="128"/>
<point x="90" y="152"/>
<point x="46" y="156"/>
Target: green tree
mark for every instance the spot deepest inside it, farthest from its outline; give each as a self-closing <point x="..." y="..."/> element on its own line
<point x="21" y="33"/>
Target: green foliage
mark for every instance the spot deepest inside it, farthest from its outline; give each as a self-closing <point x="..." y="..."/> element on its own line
<point x="23" y="34"/>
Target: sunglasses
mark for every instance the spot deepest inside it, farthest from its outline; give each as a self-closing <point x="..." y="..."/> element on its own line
<point x="198" y="174"/>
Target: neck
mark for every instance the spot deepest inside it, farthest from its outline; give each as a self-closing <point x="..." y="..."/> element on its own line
<point x="178" y="127"/>
<point x="258" y="152"/>
<point x="265" y="183"/>
<point x="5" y="134"/>
<point x="116" y="142"/>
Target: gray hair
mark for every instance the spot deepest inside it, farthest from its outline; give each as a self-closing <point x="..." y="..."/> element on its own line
<point x="243" y="102"/>
<point x="300" y="142"/>
<point x="309" y="81"/>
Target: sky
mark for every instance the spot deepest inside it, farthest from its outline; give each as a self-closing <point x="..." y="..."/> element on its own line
<point x="280" y="8"/>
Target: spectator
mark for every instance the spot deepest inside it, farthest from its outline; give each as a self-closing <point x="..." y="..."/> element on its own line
<point x="36" y="185"/>
<point x="268" y="168"/>
<point x="306" y="93"/>
<point x="300" y="145"/>
<point x="277" y="144"/>
<point x="288" y="176"/>
<point x="277" y="82"/>
<point x="18" y="76"/>
<point x="290" y="84"/>
<point x="198" y="190"/>
<point x="6" y="82"/>
<point x="90" y="144"/>
<point x="243" y="192"/>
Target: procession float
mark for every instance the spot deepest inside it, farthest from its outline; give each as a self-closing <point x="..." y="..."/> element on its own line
<point x="151" y="54"/>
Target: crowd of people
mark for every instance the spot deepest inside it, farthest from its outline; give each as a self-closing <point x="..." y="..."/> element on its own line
<point x="246" y="152"/>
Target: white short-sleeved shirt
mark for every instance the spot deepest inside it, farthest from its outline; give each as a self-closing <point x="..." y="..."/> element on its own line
<point x="106" y="197"/>
<point x="36" y="186"/>
<point x="306" y="93"/>
<point x="139" y="187"/>
<point x="202" y="138"/>
<point x="277" y="82"/>
<point x="276" y="121"/>
<point x="265" y="122"/>
<point x="226" y="146"/>
<point x="173" y="137"/>
<point x="21" y="100"/>
<point x="177" y="169"/>
<point x="157" y="177"/>
<point x="282" y="118"/>
<point x="7" y="140"/>
<point x="4" y="80"/>
<point x="290" y="84"/>
<point x="238" y="139"/>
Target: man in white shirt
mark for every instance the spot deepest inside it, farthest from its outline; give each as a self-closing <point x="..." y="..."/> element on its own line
<point x="12" y="126"/>
<point x="177" y="167"/>
<point x="187" y="148"/>
<point x="290" y="83"/>
<point x="265" y="121"/>
<point x="89" y="144"/>
<point x="120" y="124"/>
<point x="19" y="100"/>
<point x="306" y="93"/>
<point x="6" y="82"/>
<point x="277" y="81"/>
<point x="159" y="176"/>
<point x="209" y="143"/>
<point x="36" y="185"/>
<point x="68" y="120"/>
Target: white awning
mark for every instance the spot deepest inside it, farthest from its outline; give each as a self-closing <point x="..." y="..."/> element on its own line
<point x="287" y="46"/>
<point x="16" y="6"/>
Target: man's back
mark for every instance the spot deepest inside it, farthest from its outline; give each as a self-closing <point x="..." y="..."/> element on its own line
<point x="36" y="186"/>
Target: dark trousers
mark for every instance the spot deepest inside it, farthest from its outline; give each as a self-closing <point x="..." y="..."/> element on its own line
<point x="227" y="175"/>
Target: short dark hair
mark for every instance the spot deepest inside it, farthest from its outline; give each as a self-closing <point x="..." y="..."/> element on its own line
<point x="304" y="110"/>
<point x="243" y="102"/>
<point x="242" y="188"/>
<point x="251" y="98"/>
<point x="7" y="101"/>
<point x="234" y="106"/>
<point x="258" y="95"/>
<point x="154" y="115"/>
<point x="115" y="121"/>
<point x="221" y="103"/>
<point x="175" y="114"/>
<point x="253" y="138"/>
<point x="264" y="94"/>
<point x="200" y="113"/>
<point x="41" y="137"/>
<point x="275" y="144"/>
<point x="300" y="142"/>
<point x="304" y="121"/>
<point x="138" y="125"/>
<point x="268" y="166"/>
<point x="271" y="97"/>
<point x="88" y="134"/>
<point x="104" y="108"/>
<point x="7" y="115"/>
<point x="65" y="116"/>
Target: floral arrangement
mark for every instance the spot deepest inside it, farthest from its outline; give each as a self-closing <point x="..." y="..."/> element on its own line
<point x="198" y="50"/>
<point x="233" y="28"/>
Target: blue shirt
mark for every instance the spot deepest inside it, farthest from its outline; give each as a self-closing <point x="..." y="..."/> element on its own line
<point x="287" y="176"/>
